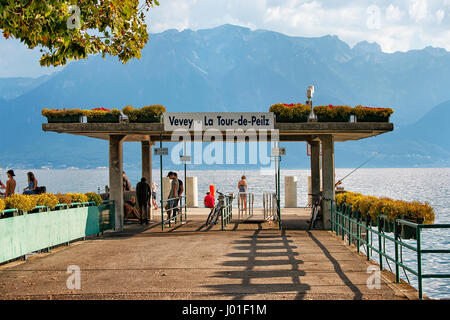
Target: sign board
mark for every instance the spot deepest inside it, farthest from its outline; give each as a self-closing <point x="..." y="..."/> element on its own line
<point x="278" y="151"/>
<point x="222" y="121"/>
<point x="185" y="158"/>
<point x="161" y="151"/>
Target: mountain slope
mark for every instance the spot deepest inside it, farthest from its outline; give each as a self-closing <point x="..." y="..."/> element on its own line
<point x="231" y="68"/>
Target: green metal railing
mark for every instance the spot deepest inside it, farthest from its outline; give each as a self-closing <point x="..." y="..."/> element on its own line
<point x="227" y="211"/>
<point x="344" y="221"/>
<point x="24" y="233"/>
<point x="173" y="219"/>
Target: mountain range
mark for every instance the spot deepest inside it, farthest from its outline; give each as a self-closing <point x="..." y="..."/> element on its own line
<point x="231" y="68"/>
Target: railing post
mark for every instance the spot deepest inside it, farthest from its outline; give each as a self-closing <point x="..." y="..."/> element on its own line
<point x="367" y="239"/>
<point x="358" y="233"/>
<point x="419" y="261"/>
<point x="380" y="247"/>
<point x="350" y="226"/>
<point x="221" y="209"/>
<point x="397" y="267"/>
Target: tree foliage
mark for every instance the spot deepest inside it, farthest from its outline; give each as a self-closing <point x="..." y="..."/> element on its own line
<point x="62" y="32"/>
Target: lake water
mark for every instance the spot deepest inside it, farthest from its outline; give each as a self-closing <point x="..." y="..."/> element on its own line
<point x="432" y="185"/>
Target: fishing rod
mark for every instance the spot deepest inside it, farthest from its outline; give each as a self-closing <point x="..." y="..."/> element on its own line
<point x="340" y="181"/>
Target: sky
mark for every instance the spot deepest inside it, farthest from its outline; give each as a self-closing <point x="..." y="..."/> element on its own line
<point x="399" y="25"/>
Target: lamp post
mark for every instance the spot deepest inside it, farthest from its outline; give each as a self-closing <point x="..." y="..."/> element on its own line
<point x="309" y="95"/>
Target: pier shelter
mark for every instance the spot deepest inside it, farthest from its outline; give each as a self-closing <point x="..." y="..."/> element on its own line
<point x="315" y="133"/>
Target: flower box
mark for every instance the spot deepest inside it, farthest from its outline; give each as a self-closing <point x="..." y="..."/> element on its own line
<point x="291" y="112"/>
<point x="369" y="114"/>
<point x="332" y="113"/>
<point x="62" y="115"/>
<point x="408" y="232"/>
<point x="146" y="114"/>
<point x="102" y="115"/>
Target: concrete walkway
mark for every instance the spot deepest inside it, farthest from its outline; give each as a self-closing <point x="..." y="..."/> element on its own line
<point x="247" y="261"/>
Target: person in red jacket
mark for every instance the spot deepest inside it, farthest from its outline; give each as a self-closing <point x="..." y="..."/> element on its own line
<point x="209" y="200"/>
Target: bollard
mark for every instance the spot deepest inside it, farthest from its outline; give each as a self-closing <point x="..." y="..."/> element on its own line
<point x="290" y="194"/>
<point x="191" y="192"/>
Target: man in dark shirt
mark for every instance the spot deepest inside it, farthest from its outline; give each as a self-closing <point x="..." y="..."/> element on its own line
<point x="143" y="192"/>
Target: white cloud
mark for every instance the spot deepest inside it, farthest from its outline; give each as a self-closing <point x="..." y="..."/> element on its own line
<point x="440" y="14"/>
<point x="397" y="26"/>
<point x="418" y="10"/>
<point x="393" y="13"/>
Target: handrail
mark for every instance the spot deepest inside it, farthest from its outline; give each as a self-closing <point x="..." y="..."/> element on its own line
<point x="173" y="218"/>
<point x="227" y="210"/>
<point x="344" y="221"/>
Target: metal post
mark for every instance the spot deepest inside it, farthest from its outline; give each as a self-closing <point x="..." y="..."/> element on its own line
<point x="367" y="239"/>
<point x="161" y="181"/>
<point x="185" y="184"/>
<point x="397" y="267"/>
<point x="358" y="234"/>
<point x="380" y="247"/>
<point x="419" y="262"/>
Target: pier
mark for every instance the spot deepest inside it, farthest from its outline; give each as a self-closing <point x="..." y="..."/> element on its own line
<point x="246" y="261"/>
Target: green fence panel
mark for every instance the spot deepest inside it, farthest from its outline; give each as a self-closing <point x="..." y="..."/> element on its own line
<point x="28" y="233"/>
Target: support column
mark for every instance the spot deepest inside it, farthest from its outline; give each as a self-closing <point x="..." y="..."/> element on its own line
<point x="327" y="178"/>
<point x="315" y="168"/>
<point x="115" y="177"/>
<point x="146" y="153"/>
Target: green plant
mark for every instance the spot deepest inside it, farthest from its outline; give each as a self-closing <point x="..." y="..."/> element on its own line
<point x="145" y="114"/>
<point x="369" y="114"/>
<point x="78" y="197"/>
<point x="290" y="112"/>
<point x="64" y="198"/>
<point x="47" y="199"/>
<point x="92" y="196"/>
<point x="332" y="113"/>
<point x="21" y="202"/>
<point x="62" y="115"/>
<point x="393" y="209"/>
<point x="102" y="115"/>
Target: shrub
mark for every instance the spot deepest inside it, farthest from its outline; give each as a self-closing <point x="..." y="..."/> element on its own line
<point x="2" y="205"/>
<point x="78" y="197"/>
<point x="47" y="199"/>
<point x="369" y="114"/>
<point x="21" y="202"/>
<point x="145" y="114"/>
<point x="64" y="198"/>
<point x="332" y="113"/>
<point x="393" y="209"/>
<point x="92" y="196"/>
<point x="291" y="112"/>
<point x="102" y="115"/>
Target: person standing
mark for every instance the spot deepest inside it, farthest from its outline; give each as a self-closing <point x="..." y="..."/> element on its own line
<point x="173" y="195"/>
<point x="32" y="184"/>
<point x="126" y="182"/>
<point x="143" y="196"/>
<point x="242" y="186"/>
<point x="180" y="191"/>
<point x="10" y="187"/>
<point x="154" y="202"/>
